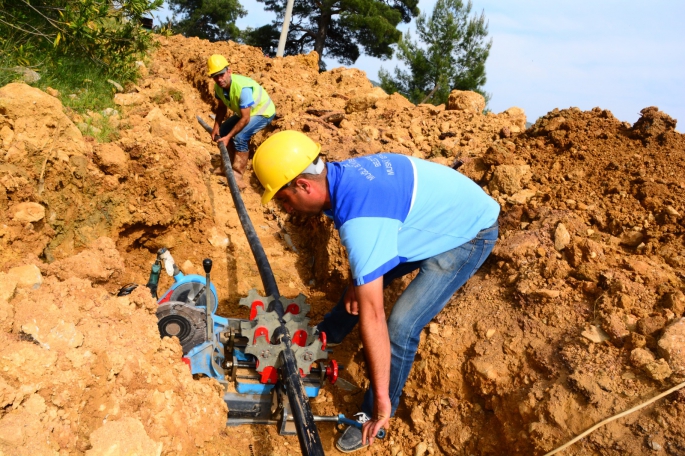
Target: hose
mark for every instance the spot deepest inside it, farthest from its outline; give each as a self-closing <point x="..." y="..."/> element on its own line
<point x="615" y="417"/>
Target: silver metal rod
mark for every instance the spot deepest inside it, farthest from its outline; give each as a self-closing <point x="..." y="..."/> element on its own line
<point x="318" y="418"/>
<point x="207" y="265"/>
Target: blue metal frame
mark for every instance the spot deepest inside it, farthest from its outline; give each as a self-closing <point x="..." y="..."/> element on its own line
<point x="208" y="357"/>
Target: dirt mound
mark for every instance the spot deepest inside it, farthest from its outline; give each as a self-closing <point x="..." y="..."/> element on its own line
<point x="576" y="316"/>
<point x="654" y="124"/>
<point x="77" y="362"/>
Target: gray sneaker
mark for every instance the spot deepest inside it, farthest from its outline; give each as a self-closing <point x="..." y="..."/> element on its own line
<point x="351" y="440"/>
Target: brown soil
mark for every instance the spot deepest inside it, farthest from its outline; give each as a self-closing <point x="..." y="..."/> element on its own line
<point x="576" y="316"/>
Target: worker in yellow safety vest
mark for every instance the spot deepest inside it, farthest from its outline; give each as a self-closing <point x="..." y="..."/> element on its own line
<point x="252" y="111"/>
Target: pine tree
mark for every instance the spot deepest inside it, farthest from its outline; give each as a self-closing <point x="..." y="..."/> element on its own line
<point x="213" y="20"/>
<point x="450" y="54"/>
<point x="341" y="29"/>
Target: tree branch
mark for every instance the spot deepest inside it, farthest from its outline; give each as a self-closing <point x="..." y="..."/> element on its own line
<point x="305" y="32"/>
<point x="50" y="21"/>
<point x="325" y="124"/>
<point x="47" y="37"/>
<point x="430" y="94"/>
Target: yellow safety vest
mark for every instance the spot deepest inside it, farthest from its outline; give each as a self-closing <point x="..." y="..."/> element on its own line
<point x="263" y="106"/>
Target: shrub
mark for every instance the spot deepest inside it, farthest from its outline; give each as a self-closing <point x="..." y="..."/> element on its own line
<point x="39" y="33"/>
<point x="76" y="46"/>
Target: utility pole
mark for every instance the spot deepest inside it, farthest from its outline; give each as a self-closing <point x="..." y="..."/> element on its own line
<point x="284" y="30"/>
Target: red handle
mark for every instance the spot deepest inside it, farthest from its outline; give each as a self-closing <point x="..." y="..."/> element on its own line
<point x="332" y="371"/>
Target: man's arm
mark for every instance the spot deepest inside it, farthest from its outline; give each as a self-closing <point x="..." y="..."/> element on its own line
<point x="219" y="119"/>
<point x="244" y="120"/>
<point x="374" y="333"/>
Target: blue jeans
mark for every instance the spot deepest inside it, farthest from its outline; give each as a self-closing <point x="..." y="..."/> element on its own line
<point x="438" y="279"/>
<point x="241" y="141"/>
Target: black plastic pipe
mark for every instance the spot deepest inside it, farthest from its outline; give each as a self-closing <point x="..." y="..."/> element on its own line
<point x="307" y="433"/>
<point x="263" y="265"/>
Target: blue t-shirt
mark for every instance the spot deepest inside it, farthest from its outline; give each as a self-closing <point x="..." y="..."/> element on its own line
<point x="390" y="209"/>
<point x="246" y="99"/>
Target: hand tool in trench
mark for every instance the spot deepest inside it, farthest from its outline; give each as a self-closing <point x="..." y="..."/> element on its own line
<point x="289" y="373"/>
<point x="343" y="420"/>
<point x="152" y="282"/>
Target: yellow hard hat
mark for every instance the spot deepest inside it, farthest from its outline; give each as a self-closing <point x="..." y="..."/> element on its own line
<point x="216" y="63"/>
<point x="281" y="158"/>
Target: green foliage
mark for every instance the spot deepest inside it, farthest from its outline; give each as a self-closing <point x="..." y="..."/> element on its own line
<point x="76" y="46"/>
<point x="82" y="85"/>
<point x="213" y="20"/>
<point x="450" y="54"/>
<point x="39" y="32"/>
<point x="340" y="29"/>
<point x="166" y="95"/>
<point x="99" y="128"/>
<point x="164" y="29"/>
<point x="265" y="37"/>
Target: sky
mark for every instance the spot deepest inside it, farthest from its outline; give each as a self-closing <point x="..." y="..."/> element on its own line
<point x="618" y="55"/>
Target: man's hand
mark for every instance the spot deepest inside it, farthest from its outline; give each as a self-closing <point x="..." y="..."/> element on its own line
<point x="351" y="303"/>
<point x="215" y="132"/>
<point x="237" y="128"/>
<point x="379" y="421"/>
<point x="218" y="120"/>
<point x="224" y="140"/>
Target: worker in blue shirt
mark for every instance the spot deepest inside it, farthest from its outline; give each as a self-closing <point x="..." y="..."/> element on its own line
<point x="395" y="214"/>
<point x="252" y="111"/>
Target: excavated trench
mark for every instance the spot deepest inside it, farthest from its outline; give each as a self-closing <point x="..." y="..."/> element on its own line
<point x="576" y="316"/>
